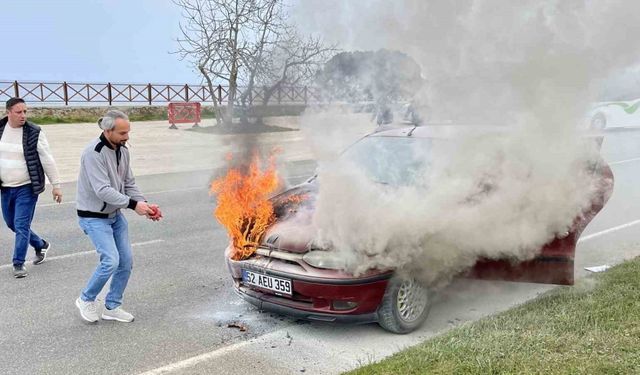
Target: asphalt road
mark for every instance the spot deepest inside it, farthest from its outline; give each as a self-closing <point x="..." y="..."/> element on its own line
<point x="181" y="294"/>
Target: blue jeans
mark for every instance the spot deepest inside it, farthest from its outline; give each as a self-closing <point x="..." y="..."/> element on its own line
<point x="18" y="207"/>
<point x="111" y="240"/>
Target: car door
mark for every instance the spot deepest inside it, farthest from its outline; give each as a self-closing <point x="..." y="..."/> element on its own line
<point x="555" y="262"/>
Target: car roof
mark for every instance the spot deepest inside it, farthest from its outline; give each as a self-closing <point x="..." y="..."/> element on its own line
<point x="440" y="131"/>
<point x="454" y="131"/>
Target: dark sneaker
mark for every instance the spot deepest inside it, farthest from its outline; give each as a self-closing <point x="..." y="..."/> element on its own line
<point x="41" y="254"/>
<point x="19" y="271"/>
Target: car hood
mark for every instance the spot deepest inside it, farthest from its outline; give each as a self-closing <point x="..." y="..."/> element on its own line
<point x="293" y="229"/>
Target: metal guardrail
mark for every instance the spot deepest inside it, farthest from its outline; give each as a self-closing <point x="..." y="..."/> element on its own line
<point x="69" y="92"/>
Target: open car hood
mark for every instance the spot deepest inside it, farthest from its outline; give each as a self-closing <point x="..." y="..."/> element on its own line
<point x="293" y="230"/>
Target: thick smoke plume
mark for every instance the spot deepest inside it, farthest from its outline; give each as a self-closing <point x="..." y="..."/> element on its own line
<point x="527" y="65"/>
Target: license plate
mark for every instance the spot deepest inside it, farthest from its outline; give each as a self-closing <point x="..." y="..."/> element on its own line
<point x="274" y="284"/>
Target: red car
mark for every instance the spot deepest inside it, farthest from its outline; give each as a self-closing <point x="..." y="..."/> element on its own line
<point x="288" y="276"/>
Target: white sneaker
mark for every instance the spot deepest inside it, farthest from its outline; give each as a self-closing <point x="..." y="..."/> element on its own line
<point x="88" y="310"/>
<point x="117" y="314"/>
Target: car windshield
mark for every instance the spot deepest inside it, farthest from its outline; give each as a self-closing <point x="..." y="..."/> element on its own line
<point x="397" y="161"/>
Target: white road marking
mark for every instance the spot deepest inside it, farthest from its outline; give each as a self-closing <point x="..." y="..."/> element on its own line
<point x="143" y="243"/>
<point x="148" y="193"/>
<point x="190" y="362"/>
<point x="56" y="204"/>
<point x="624" y="161"/>
<point x="607" y="231"/>
<point x="160" y="192"/>
<point x="174" y="190"/>
<point x="72" y="255"/>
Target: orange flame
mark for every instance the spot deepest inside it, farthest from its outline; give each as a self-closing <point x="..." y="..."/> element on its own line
<point x="297" y="198"/>
<point x="243" y="205"/>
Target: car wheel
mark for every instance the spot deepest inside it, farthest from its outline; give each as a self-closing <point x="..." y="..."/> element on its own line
<point x="598" y="122"/>
<point x="405" y="305"/>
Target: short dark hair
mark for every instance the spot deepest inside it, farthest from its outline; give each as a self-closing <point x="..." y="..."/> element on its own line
<point x="13" y="101"/>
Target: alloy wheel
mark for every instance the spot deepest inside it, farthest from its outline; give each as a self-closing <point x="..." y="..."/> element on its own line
<point x="411" y="300"/>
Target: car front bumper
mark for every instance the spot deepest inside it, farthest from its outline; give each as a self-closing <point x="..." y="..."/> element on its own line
<point x="258" y="299"/>
<point x="320" y="295"/>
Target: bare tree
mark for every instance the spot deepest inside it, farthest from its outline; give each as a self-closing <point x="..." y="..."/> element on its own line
<point x="245" y="41"/>
<point x="270" y="21"/>
<point x="294" y="61"/>
<point x="216" y="35"/>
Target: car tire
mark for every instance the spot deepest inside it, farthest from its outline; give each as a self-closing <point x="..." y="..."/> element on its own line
<point x="405" y="305"/>
<point x="598" y="122"/>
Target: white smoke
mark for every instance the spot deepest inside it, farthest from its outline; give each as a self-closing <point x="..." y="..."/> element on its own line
<point x="529" y="65"/>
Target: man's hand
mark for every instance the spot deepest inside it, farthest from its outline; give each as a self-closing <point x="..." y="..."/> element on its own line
<point x="157" y="214"/>
<point x="143" y="209"/>
<point x="57" y="195"/>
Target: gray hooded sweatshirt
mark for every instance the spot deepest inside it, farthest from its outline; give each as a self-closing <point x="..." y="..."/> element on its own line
<point x="105" y="183"/>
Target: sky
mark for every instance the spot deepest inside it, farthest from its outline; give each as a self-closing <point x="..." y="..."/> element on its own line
<point x="86" y="41"/>
<point x="125" y="41"/>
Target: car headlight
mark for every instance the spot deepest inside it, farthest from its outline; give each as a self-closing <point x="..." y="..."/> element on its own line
<point x="325" y="259"/>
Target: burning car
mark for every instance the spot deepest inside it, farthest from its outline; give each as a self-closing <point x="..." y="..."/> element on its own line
<point x="276" y="266"/>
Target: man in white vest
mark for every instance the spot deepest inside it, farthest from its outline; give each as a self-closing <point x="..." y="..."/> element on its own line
<point x="25" y="158"/>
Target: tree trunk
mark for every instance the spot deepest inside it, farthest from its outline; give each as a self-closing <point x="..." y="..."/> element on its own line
<point x="268" y="92"/>
<point x="233" y="74"/>
<point x="216" y="108"/>
<point x="244" y="115"/>
<point x="231" y="96"/>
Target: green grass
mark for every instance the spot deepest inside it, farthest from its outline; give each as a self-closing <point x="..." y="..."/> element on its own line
<point x="47" y="120"/>
<point x="590" y="328"/>
<point x="142" y="114"/>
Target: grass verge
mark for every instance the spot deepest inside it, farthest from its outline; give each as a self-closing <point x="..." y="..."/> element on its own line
<point x="153" y="114"/>
<point x="590" y="328"/>
<point x="47" y="120"/>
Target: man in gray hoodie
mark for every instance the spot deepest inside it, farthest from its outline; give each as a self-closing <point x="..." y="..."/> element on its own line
<point x="105" y="186"/>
